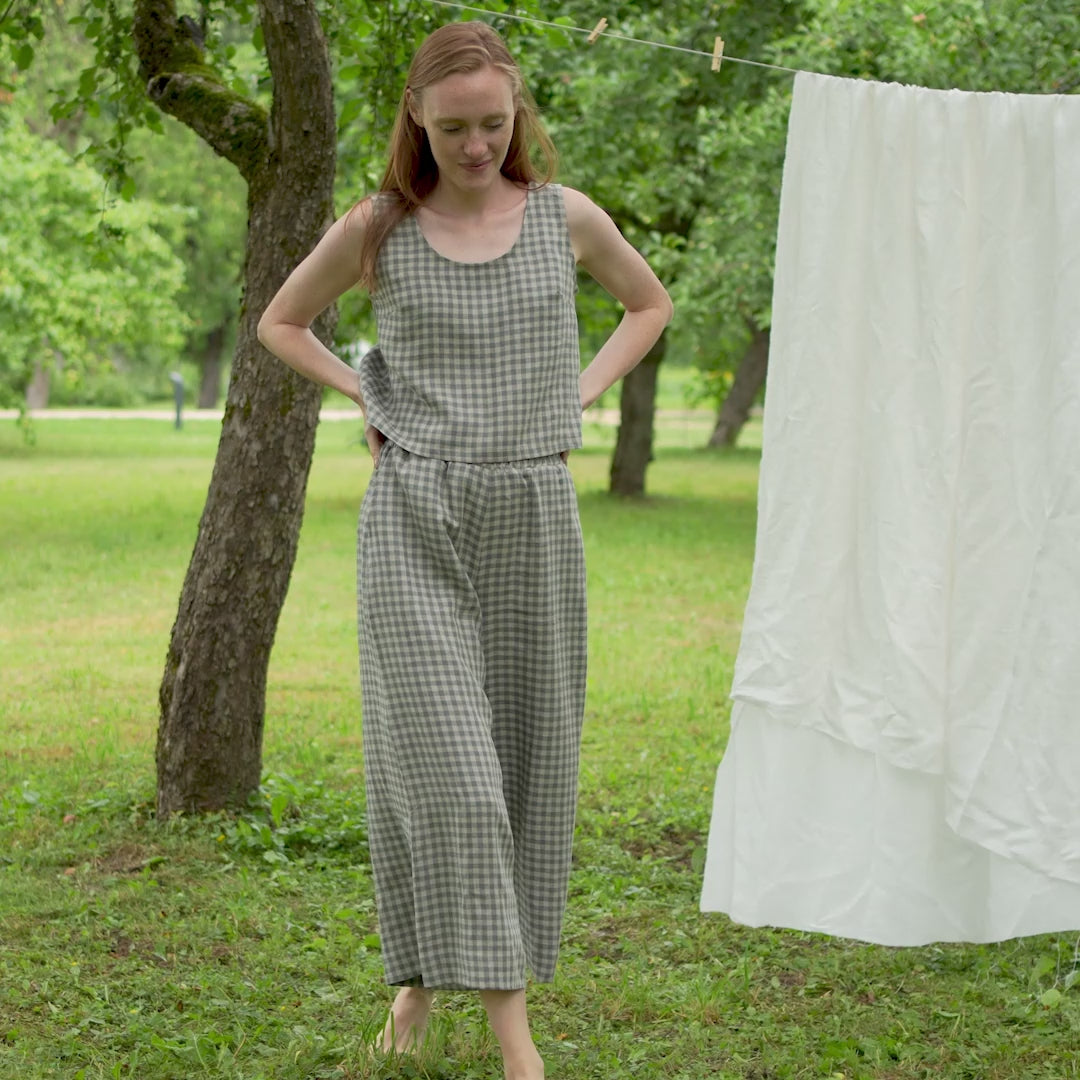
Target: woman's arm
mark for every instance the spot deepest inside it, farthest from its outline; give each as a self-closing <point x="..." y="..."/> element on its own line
<point x="605" y="253"/>
<point x="331" y="269"/>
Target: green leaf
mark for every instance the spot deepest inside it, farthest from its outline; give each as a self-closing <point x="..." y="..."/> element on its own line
<point x="278" y="805"/>
<point x="23" y="55"/>
<point x="353" y="108"/>
<point x="1043" y="968"/>
<point x="1051" y="999"/>
<point x="88" y="81"/>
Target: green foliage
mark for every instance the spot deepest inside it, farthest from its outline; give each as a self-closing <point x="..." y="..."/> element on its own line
<point x="290" y="820"/>
<point x="1004" y="45"/>
<point x="21" y="27"/>
<point x="179" y="170"/>
<point x="168" y="165"/>
<point x="109" y="85"/>
<point x="78" y="290"/>
<point x="372" y="45"/>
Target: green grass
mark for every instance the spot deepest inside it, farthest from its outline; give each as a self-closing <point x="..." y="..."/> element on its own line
<point x="246" y="947"/>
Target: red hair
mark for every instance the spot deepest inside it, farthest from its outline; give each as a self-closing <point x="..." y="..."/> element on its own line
<point x="411" y="172"/>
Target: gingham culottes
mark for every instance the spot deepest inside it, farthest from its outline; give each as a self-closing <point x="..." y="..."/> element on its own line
<point x="472" y="627"/>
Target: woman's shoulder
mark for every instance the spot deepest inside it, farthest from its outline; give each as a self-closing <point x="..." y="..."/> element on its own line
<point x="377" y="215"/>
<point x="581" y="211"/>
<point x="368" y="208"/>
<point x="358" y="217"/>
<point x="576" y="202"/>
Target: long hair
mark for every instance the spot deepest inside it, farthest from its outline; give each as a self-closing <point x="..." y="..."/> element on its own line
<point x="411" y="173"/>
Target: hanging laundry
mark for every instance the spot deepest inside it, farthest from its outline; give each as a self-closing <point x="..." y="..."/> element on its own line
<point x="904" y="761"/>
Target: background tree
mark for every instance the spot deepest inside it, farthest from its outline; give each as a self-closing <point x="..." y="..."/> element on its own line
<point x="212" y="697"/>
<point x="58" y="95"/>
<point x="210" y="242"/>
<point x="78" y="297"/>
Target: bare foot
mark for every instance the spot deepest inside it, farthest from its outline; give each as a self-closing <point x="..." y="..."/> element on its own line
<point x="529" y="1066"/>
<point x="407" y="1022"/>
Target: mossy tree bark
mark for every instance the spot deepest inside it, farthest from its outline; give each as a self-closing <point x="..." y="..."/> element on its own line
<point x="749" y="379"/>
<point x="209" y="747"/>
<point x="637" y="410"/>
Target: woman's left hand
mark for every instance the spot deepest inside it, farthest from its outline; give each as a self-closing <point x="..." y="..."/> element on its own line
<point x="375" y="439"/>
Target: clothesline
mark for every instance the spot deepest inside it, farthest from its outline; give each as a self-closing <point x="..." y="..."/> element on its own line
<point x="595" y="33"/>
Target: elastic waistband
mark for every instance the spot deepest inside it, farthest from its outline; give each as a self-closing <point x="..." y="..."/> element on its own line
<point x="516" y="463"/>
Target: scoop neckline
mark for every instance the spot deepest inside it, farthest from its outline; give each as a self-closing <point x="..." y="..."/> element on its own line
<point x="481" y="262"/>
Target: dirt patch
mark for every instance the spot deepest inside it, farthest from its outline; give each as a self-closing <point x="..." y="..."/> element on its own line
<point x="122" y="947"/>
<point x="606" y="940"/>
<point x="673" y="843"/>
<point x="127" y="859"/>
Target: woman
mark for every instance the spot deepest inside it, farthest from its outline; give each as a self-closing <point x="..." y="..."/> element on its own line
<point x="470" y="576"/>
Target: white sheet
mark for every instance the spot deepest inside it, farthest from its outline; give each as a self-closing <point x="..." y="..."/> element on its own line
<point x="904" y="763"/>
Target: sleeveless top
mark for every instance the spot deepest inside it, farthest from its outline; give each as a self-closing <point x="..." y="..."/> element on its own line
<point x="478" y="362"/>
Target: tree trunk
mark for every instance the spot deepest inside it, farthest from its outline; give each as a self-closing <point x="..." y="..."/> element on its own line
<point x="749" y="379"/>
<point x="637" y="409"/>
<point x="37" y="390"/>
<point x="210" y="367"/>
<point x="209" y="747"/>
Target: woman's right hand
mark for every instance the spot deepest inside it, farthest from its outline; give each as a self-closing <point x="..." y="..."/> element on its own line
<point x="375" y="439"/>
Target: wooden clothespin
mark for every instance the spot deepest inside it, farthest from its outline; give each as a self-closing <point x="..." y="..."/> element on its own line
<point x="718" y="54"/>
<point x="598" y="29"/>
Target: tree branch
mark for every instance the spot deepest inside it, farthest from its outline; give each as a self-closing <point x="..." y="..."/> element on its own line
<point x="180" y="82"/>
<point x="302" y="116"/>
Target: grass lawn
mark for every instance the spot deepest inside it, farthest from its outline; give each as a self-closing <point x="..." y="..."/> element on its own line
<point x="247" y="947"/>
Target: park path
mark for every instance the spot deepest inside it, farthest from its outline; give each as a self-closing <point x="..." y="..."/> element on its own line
<point x="593" y="416"/>
<point x="149" y="414"/>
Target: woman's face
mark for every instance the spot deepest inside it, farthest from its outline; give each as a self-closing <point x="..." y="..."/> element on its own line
<point x="469" y="120"/>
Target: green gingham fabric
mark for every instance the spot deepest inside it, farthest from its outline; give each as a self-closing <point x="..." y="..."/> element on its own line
<point x="472" y="628"/>
<point x="478" y="361"/>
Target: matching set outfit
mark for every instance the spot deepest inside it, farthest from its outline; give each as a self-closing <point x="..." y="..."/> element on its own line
<point x="471" y="603"/>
